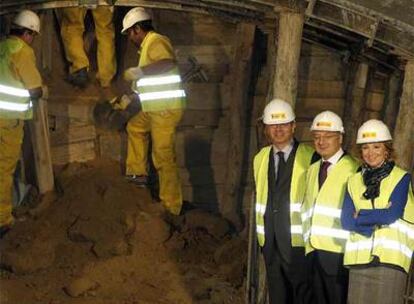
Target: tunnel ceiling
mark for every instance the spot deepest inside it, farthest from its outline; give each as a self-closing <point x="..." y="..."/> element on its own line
<point x="380" y="28"/>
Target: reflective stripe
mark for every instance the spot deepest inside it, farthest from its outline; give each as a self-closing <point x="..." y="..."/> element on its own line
<point x="322" y="210"/>
<point x="260" y="229"/>
<point x="12" y="106"/>
<point x="260" y="208"/>
<point x="332" y="232"/>
<point x="403" y="228"/>
<point x="151" y="81"/>
<point x="295" y="207"/>
<point x="329" y="211"/>
<point x="14" y="91"/>
<point x="383" y="242"/>
<point x="296" y="229"/>
<point x="162" y="95"/>
<point x="306" y="235"/>
<point x="306" y="215"/>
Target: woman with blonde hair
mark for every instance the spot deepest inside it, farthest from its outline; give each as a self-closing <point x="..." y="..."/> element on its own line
<point x="378" y="211"/>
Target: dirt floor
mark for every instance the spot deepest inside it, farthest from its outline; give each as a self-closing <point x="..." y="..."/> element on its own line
<point x="104" y="241"/>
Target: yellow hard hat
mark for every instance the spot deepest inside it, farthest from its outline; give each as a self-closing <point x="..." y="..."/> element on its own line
<point x="135" y="15"/>
<point x="277" y="112"/>
<point x="373" y="130"/>
<point x="327" y="121"/>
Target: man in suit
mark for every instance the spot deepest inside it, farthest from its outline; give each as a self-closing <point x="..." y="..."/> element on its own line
<point x="279" y="171"/>
<point x="325" y="188"/>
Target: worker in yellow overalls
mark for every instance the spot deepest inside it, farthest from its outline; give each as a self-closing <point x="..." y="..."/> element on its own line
<point x="20" y="88"/>
<point x="72" y="29"/>
<point x="157" y="82"/>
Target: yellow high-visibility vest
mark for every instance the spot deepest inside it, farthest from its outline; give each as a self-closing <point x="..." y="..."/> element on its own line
<point x="163" y="91"/>
<point x="15" y="100"/>
<point x="392" y="244"/>
<point x="321" y="210"/>
<point x="301" y="164"/>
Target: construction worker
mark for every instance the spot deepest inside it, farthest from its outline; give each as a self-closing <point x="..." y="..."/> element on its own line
<point x="72" y="29"/>
<point x="378" y="211"/>
<point x="20" y="88"/>
<point x="325" y="187"/>
<point x="157" y="82"/>
<point x="279" y="172"/>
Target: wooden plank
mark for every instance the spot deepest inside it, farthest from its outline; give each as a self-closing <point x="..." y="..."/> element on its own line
<point x="288" y="54"/>
<point x="195" y="29"/>
<point x="113" y="145"/>
<point x="355" y="102"/>
<point x="76" y="152"/>
<point x="241" y="73"/>
<point x="309" y="107"/>
<point x="404" y="129"/>
<point x="208" y="118"/>
<point x="39" y="132"/>
<point x="375" y="101"/>
<point x="321" y="88"/>
<point x="392" y="98"/>
<point x="302" y="132"/>
<point x="81" y="111"/>
<point x="203" y="96"/>
<point x="73" y="134"/>
<point x="321" y="68"/>
<point x="205" y="54"/>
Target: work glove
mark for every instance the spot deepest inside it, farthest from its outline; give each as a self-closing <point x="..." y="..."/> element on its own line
<point x="133" y="74"/>
<point x="369" y="217"/>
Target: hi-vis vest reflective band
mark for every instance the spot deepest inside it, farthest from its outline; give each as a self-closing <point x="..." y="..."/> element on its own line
<point x="301" y="164"/>
<point x="321" y="209"/>
<point x="14" y="99"/>
<point x="392" y="244"/>
<point x="161" y="92"/>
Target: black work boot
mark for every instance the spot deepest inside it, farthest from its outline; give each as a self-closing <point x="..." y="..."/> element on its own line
<point x="79" y="78"/>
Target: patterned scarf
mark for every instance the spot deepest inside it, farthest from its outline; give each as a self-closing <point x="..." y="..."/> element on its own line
<point x="373" y="177"/>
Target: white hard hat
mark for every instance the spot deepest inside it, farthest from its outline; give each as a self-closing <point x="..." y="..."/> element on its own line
<point x="135" y="15"/>
<point x="277" y="112"/>
<point x="327" y="121"/>
<point x="28" y="19"/>
<point x="373" y="130"/>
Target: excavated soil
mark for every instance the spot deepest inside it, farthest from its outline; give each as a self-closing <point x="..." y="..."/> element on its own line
<point x="104" y="241"/>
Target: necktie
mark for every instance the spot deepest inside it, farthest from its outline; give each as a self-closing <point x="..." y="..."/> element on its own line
<point x="281" y="165"/>
<point x="323" y="172"/>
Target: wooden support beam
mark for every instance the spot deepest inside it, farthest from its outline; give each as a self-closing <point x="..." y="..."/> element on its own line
<point x="352" y="116"/>
<point x="404" y="129"/>
<point x="39" y="131"/>
<point x="402" y="39"/>
<point x="288" y="54"/>
<point x="392" y="94"/>
<point x="241" y="72"/>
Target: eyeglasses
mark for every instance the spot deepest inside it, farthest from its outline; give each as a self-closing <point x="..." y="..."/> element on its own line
<point x="282" y="126"/>
<point x="325" y="137"/>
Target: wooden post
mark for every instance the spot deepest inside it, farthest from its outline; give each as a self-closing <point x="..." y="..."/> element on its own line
<point x="241" y="72"/>
<point x="393" y="91"/>
<point x="39" y="131"/>
<point x="404" y="128"/>
<point x="352" y="116"/>
<point x="288" y="54"/>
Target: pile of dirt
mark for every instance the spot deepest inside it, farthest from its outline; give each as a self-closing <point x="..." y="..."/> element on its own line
<point x="105" y="241"/>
